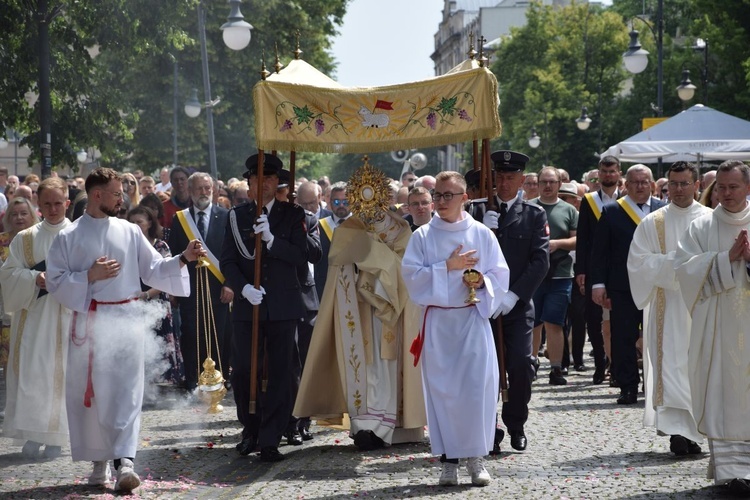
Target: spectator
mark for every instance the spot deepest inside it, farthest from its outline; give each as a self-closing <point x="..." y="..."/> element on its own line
<point x="130" y="189"/>
<point x="146" y="185"/>
<point x="145" y="218"/>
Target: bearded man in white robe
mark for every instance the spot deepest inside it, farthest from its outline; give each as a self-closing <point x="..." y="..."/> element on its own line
<point x="459" y="363"/>
<point x="666" y="320"/>
<point x="35" y="391"/>
<point x="359" y="350"/>
<point x="712" y="268"/>
<point x="94" y="267"/>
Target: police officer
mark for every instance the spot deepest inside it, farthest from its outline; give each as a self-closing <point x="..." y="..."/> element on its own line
<point x="522" y="232"/>
<point x="284" y="251"/>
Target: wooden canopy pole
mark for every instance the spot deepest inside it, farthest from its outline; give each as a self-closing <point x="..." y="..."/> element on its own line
<point x="499" y="334"/>
<point x="292" y="162"/>
<point x="256" y="308"/>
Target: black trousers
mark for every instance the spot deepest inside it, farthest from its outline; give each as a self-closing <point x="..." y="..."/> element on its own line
<point x="304" y="336"/>
<point x="518" y="328"/>
<point x="276" y="346"/>
<point x="576" y="327"/>
<point x="593" y="318"/>
<point x="625" y="320"/>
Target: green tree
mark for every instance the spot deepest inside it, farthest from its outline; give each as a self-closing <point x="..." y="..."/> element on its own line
<point x="112" y="74"/>
<point x="551" y="67"/>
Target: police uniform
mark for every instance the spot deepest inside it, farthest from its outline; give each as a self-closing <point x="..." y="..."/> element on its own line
<point x="524" y="240"/>
<point x="279" y="313"/>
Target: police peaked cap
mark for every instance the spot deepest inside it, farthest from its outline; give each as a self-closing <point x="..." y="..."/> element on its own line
<point x="509" y="161"/>
<point x="271" y="165"/>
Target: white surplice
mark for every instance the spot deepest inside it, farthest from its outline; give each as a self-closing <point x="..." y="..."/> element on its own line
<point x="35" y="390"/>
<point x="717" y="293"/>
<point x="459" y="363"/>
<point x="109" y="428"/>
<point x="666" y="320"/>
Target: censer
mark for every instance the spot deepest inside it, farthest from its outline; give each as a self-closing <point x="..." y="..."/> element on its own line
<point x="210" y="381"/>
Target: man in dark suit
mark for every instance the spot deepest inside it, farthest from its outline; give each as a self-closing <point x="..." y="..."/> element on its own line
<point x="309" y="197"/>
<point x="280" y="307"/>
<point x="522" y="232"/>
<point x="588" y="218"/>
<point x="609" y="274"/>
<point x="206" y="222"/>
<point x="328" y="225"/>
<point x="300" y="428"/>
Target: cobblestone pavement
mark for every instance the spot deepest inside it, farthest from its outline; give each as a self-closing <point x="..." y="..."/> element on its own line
<point x="581" y="445"/>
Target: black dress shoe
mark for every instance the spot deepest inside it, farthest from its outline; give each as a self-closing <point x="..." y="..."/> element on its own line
<point x="305" y="433"/>
<point x="694" y="448"/>
<point x="599" y="375"/>
<point x="613" y="382"/>
<point x="739" y="487"/>
<point x="517" y="440"/>
<point x="293" y="438"/>
<point x="580" y="367"/>
<point x="535" y="363"/>
<point x="628" y="397"/>
<point x="556" y="377"/>
<point x="499" y="435"/>
<point x="368" y="441"/>
<point x="270" y="454"/>
<point x="678" y="445"/>
<point x="247" y="446"/>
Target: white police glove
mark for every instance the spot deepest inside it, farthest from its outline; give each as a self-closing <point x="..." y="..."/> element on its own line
<point x="507" y="303"/>
<point x="263" y="228"/>
<point x="253" y="295"/>
<point x="491" y="219"/>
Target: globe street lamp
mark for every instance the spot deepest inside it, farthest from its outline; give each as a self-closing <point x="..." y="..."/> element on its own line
<point x="534" y="140"/>
<point x="636" y="58"/>
<point x="686" y="89"/>
<point x="81" y="156"/>
<point x="236" y="32"/>
<point x="583" y="121"/>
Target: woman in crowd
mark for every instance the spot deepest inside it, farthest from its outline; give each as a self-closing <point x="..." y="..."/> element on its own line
<point x="18" y="216"/>
<point x="145" y="218"/>
<point x="710" y="196"/>
<point x="130" y="189"/>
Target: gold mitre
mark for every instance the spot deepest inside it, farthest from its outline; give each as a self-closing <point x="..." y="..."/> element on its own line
<point x="368" y="192"/>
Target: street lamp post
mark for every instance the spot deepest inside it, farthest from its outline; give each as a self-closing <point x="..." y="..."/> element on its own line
<point x="44" y="17"/>
<point x="636" y="59"/>
<point x="686" y="89"/>
<point x="236" y="35"/>
<point x="207" y="90"/>
<point x="702" y="45"/>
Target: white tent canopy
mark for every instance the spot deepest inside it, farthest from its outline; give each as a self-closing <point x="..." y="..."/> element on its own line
<point x="696" y="134"/>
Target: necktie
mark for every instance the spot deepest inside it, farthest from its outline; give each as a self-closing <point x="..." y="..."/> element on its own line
<point x="339" y="221"/>
<point x="503" y="210"/>
<point x="640" y="205"/>
<point x="202" y="224"/>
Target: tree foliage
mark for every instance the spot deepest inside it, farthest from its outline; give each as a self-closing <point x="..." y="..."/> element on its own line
<point x="551" y="67"/>
<point x="112" y="74"/>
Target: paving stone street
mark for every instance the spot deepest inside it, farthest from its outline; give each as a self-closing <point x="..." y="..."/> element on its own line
<point x="581" y="445"/>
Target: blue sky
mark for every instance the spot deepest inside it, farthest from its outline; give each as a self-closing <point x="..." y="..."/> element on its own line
<point x="383" y="42"/>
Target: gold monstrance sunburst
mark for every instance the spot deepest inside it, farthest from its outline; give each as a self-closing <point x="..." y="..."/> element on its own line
<point x="368" y="193"/>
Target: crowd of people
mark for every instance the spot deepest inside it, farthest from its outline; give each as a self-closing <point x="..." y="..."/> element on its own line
<point x="424" y="315"/>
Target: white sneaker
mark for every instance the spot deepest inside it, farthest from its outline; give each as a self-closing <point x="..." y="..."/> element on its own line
<point x="127" y="479"/>
<point x="101" y="475"/>
<point x="479" y="474"/>
<point x="449" y="475"/>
